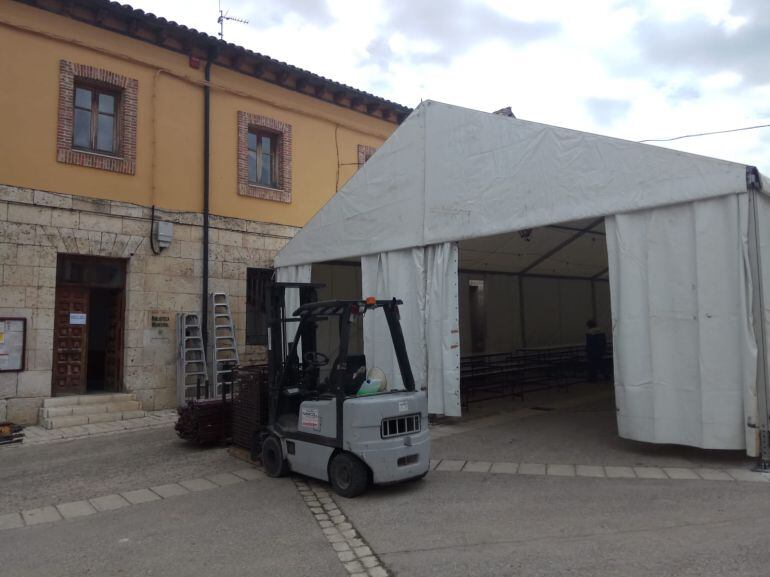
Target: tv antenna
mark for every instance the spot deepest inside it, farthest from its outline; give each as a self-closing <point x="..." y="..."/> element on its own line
<point x="224" y="16"/>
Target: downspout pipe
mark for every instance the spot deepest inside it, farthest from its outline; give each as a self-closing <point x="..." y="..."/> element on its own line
<point x="206" y="191"/>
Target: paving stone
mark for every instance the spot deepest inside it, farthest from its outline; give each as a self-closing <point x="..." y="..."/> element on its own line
<point x="333" y="512"/>
<point x="747" y="475"/>
<point x="170" y="490"/>
<point x="505" y="468"/>
<point x="325" y="524"/>
<point x="680" y="473"/>
<point x="362" y="551"/>
<point x="477" y="466"/>
<point x="369" y="562"/>
<point x="224" y="479"/>
<point x="589" y="471"/>
<point x="344" y="526"/>
<point x="250" y="474"/>
<point x="714" y="475"/>
<point x="312" y="503"/>
<point x="450" y="465"/>
<point x="331" y="531"/>
<point x="335" y="538"/>
<point x="340" y="546"/>
<point x="11" y="521"/>
<point x="338" y="519"/>
<point x="350" y="534"/>
<point x="531" y="469"/>
<point x="318" y="511"/>
<point x="356" y="542"/>
<point x="41" y="515"/>
<point x="650" y="473"/>
<point x="615" y="472"/>
<point x="346" y="556"/>
<point x="354" y="567"/>
<point x="198" y="485"/>
<point x="109" y="502"/>
<point x="75" y="509"/>
<point x="561" y="470"/>
<point x="377" y="572"/>
<point x="140" y="496"/>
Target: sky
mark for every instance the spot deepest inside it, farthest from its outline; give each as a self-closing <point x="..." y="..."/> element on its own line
<point x="633" y="69"/>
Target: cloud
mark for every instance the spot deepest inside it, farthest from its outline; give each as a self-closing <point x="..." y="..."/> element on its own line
<point x="606" y="111"/>
<point x="443" y="29"/>
<point x="706" y="47"/>
<point x="265" y="13"/>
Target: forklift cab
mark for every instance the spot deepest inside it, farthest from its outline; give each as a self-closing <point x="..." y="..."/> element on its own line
<point x="331" y="416"/>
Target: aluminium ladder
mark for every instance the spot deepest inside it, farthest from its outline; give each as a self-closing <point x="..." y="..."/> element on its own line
<point x="191" y="359"/>
<point x="223" y="351"/>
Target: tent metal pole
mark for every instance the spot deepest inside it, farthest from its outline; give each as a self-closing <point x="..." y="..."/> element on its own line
<point x="522" y="326"/>
<point x="758" y="309"/>
<point x="545" y="256"/>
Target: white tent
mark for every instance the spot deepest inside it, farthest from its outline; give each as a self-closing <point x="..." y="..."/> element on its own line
<point x="686" y="242"/>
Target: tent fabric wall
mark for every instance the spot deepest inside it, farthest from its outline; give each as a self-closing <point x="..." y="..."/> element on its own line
<point x="295" y="273"/>
<point x="340" y="282"/>
<point x="685" y="359"/>
<point x="556" y="310"/>
<point x="399" y="274"/>
<point x="442" y="330"/>
<point x="425" y="279"/>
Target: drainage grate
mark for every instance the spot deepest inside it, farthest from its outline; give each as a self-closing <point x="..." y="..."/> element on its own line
<point x="395" y="426"/>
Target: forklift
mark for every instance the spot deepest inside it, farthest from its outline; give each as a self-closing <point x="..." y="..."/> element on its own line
<point x="330" y="416"/>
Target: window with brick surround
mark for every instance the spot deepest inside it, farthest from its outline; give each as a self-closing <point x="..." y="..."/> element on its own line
<point x="365" y="153"/>
<point x="264" y="157"/>
<point x="97" y="118"/>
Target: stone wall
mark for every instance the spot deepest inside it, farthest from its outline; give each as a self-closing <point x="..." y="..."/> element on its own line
<point x="36" y="226"/>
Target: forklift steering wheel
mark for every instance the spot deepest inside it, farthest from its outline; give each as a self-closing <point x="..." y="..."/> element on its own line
<point x="315" y="359"/>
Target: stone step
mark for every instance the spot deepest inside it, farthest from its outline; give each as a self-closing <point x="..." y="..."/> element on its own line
<point x="74" y="420"/>
<point x="89" y="409"/>
<point x="87" y="399"/>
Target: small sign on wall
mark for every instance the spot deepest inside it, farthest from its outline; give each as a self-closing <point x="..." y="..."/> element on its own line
<point x="77" y="318"/>
<point x="160" y="319"/>
<point x="13" y="336"/>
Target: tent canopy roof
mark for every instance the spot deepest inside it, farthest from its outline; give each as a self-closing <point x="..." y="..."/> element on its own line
<point x="450" y="173"/>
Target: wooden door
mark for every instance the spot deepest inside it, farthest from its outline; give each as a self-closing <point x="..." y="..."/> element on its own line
<point x="113" y="354"/>
<point x="70" y="340"/>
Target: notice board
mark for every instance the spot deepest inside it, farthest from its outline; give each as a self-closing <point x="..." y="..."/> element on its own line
<point x="13" y="338"/>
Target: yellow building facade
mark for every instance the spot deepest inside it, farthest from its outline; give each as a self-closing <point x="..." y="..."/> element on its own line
<point x="118" y="124"/>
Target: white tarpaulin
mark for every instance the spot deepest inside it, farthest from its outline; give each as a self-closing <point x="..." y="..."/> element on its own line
<point x="677" y="229"/>
<point x="425" y="279"/>
<point x="450" y="173"/>
<point x="399" y="274"/>
<point x="297" y="273"/>
<point x="442" y="329"/>
<point x="685" y="359"/>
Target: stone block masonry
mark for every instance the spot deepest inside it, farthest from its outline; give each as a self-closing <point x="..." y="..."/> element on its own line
<point x="36" y="226"/>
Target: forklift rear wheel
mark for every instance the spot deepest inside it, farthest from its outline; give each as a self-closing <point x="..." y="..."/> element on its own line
<point x="348" y="475"/>
<point x="272" y="457"/>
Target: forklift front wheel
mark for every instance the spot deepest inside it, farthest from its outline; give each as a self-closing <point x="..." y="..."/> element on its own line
<point x="272" y="457"/>
<point x="348" y="475"/>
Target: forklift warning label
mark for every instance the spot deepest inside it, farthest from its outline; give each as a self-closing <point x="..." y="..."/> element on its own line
<point x="310" y="419"/>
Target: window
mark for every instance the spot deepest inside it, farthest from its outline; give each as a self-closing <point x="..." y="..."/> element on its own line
<point x="365" y="153"/>
<point x="95" y="120"/>
<point x="263" y="158"/>
<point x="258" y="283"/>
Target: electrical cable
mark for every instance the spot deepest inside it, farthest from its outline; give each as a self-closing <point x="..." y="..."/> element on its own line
<point x="706" y="133"/>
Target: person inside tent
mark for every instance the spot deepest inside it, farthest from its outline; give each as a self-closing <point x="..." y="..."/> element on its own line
<point x="596" y="347"/>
